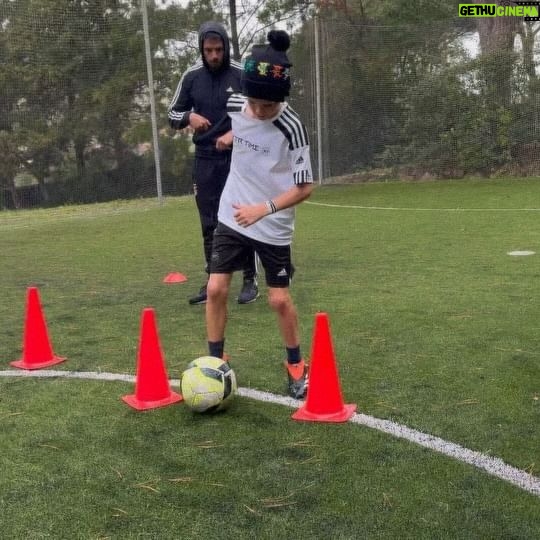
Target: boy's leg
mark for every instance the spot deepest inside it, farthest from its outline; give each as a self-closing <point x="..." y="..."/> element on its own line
<point x="216" y="311"/>
<point x="281" y="302"/>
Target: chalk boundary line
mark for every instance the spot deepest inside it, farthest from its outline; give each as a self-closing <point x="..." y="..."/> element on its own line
<point x="329" y="205"/>
<point x="492" y="465"/>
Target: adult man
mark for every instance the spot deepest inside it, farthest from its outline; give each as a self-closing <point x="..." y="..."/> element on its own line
<point x="200" y="102"/>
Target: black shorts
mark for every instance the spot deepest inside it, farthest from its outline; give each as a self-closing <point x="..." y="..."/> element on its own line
<point x="231" y="249"/>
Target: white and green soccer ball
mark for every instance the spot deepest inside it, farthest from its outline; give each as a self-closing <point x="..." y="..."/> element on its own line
<point x="208" y="384"/>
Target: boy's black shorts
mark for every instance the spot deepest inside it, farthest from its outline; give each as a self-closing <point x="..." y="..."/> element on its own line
<point x="231" y="249"/>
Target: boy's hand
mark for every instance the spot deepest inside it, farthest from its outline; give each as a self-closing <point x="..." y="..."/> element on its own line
<point x="247" y="215"/>
<point x="225" y="141"/>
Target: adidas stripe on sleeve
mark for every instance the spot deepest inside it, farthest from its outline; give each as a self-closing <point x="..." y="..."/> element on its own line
<point x="295" y="132"/>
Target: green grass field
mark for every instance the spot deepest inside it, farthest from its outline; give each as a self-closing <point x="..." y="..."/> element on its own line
<point x="434" y="327"/>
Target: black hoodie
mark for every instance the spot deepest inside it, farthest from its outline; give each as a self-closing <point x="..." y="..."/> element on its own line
<point x="206" y="92"/>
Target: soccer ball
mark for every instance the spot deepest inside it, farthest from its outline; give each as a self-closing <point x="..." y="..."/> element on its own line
<point x="208" y="384"/>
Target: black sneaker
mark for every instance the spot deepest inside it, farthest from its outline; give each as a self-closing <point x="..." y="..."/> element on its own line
<point x="199" y="298"/>
<point x="249" y="292"/>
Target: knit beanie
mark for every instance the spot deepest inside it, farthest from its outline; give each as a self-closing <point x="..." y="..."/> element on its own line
<point x="266" y="71"/>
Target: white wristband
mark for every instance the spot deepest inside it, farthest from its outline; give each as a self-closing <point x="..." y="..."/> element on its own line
<point x="270" y="205"/>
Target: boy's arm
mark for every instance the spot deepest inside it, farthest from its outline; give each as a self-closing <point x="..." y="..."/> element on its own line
<point x="247" y="215"/>
<point x="300" y="161"/>
<point x="302" y="179"/>
<point x="292" y="197"/>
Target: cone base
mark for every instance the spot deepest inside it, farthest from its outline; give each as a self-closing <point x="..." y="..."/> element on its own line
<point x="24" y="364"/>
<point x="340" y="416"/>
<point x="141" y="405"/>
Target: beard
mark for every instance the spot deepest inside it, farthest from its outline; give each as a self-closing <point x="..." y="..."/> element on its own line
<point x="214" y="66"/>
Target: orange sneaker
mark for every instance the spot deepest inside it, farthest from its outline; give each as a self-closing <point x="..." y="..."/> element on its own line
<point x="297" y="383"/>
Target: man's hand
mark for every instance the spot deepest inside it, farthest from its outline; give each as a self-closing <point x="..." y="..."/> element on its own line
<point x="198" y="123"/>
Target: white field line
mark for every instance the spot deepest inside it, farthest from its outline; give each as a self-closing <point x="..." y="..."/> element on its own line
<point x="424" y="209"/>
<point x="492" y="465"/>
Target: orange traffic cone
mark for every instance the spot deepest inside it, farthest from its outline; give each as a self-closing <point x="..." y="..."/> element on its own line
<point x="37" y="350"/>
<point x="152" y="384"/>
<point x="174" y="277"/>
<point x="324" y="402"/>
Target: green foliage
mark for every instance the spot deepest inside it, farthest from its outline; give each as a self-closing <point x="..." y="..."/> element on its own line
<point x="452" y="130"/>
<point x="75" y="83"/>
<point x="177" y="164"/>
<point x="404" y="12"/>
<point x="8" y="149"/>
<point x="398" y="89"/>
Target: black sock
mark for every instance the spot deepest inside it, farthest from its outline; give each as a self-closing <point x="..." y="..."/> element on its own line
<point x="293" y="355"/>
<point x="215" y="348"/>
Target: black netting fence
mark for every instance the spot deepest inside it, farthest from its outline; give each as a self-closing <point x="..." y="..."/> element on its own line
<point x="443" y="99"/>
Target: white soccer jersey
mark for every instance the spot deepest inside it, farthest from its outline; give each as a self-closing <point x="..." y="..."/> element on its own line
<point x="268" y="158"/>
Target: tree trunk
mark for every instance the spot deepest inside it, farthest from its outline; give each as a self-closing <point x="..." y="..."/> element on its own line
<point x="528" y="36"/>
<point x="79" y="157"/>
<point x="121" y="151"/>
<point x="14" y="196"/>
<point x="44" y="192"/>
<point x="234" y="30"/>
<point x="496" y="35"/>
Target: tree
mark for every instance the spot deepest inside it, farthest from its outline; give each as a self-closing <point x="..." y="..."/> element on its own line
<point x="528" y="32"/>
<point x="496" y="35"/>
<point x="77" y="80"/>
<point x="10" y="165"/>
<point x="374" y="52"/>
<point x="250" y="22"/>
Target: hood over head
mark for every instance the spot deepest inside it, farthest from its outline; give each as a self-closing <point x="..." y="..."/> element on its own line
<point x="209" y="29"/>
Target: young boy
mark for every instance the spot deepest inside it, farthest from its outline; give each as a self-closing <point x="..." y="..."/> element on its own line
<point x="270" y="174"/>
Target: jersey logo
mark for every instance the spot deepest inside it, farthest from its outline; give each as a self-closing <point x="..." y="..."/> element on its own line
<point x="300" y="160"/>
<point x="230" y="90"/>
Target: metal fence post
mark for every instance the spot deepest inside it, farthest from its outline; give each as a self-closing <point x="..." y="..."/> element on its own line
<point x="152" y="100"/>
